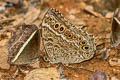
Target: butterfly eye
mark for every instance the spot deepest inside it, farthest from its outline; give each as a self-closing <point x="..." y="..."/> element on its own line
<point x="85" y="47"/>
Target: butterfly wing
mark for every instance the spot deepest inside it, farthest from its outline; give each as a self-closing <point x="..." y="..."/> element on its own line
<point x="115" y="35"/>
<point x="24" y="45"/>
<point x="64" y="42"/>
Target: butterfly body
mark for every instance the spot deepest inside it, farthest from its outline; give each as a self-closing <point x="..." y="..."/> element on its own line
<point x="64" y="42"/>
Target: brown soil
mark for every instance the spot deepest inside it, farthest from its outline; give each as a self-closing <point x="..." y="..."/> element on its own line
<point x="95" y="22"/>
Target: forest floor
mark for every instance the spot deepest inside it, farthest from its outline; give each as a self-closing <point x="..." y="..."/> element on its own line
<point x="95" y="15"/>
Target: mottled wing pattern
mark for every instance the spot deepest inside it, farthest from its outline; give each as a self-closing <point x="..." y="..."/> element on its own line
<point x="24" y="45"/>
<point x="64" y="42"/>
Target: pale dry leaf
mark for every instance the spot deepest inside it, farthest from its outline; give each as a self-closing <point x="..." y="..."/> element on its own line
<point x="109" y="15"/>
<point x="114" y="62"/>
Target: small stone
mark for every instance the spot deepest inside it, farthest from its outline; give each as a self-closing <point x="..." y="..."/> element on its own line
<point x="108" y="35"/>
<point x="109" y="15"/>
<point x="89" y="7"/>
<point x="114" y="62"/>
<point x="2" y="7"/>
<point x="114" y="78"/>
<point x="73" y="11"/>
<point x="82" y="4"/>
<point x="61" y="7"/>
<point x="98" y="75"/>
<point x="115" y="70"/>
<point x="72" y="17"/>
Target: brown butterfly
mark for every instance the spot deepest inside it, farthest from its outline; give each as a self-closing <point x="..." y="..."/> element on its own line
<point x="115" y="33"/>
<point x="64" y="42"/>
<point x="24" y="45"/>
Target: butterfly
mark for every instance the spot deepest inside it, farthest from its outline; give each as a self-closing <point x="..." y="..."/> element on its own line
<point x="115" y="33"/>
<point x="24" y="45"/>
<point x="64" y="42"/>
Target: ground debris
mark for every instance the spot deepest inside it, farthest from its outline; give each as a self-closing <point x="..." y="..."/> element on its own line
<point x="43" y="74"/>
<point x="93" y="14"/>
